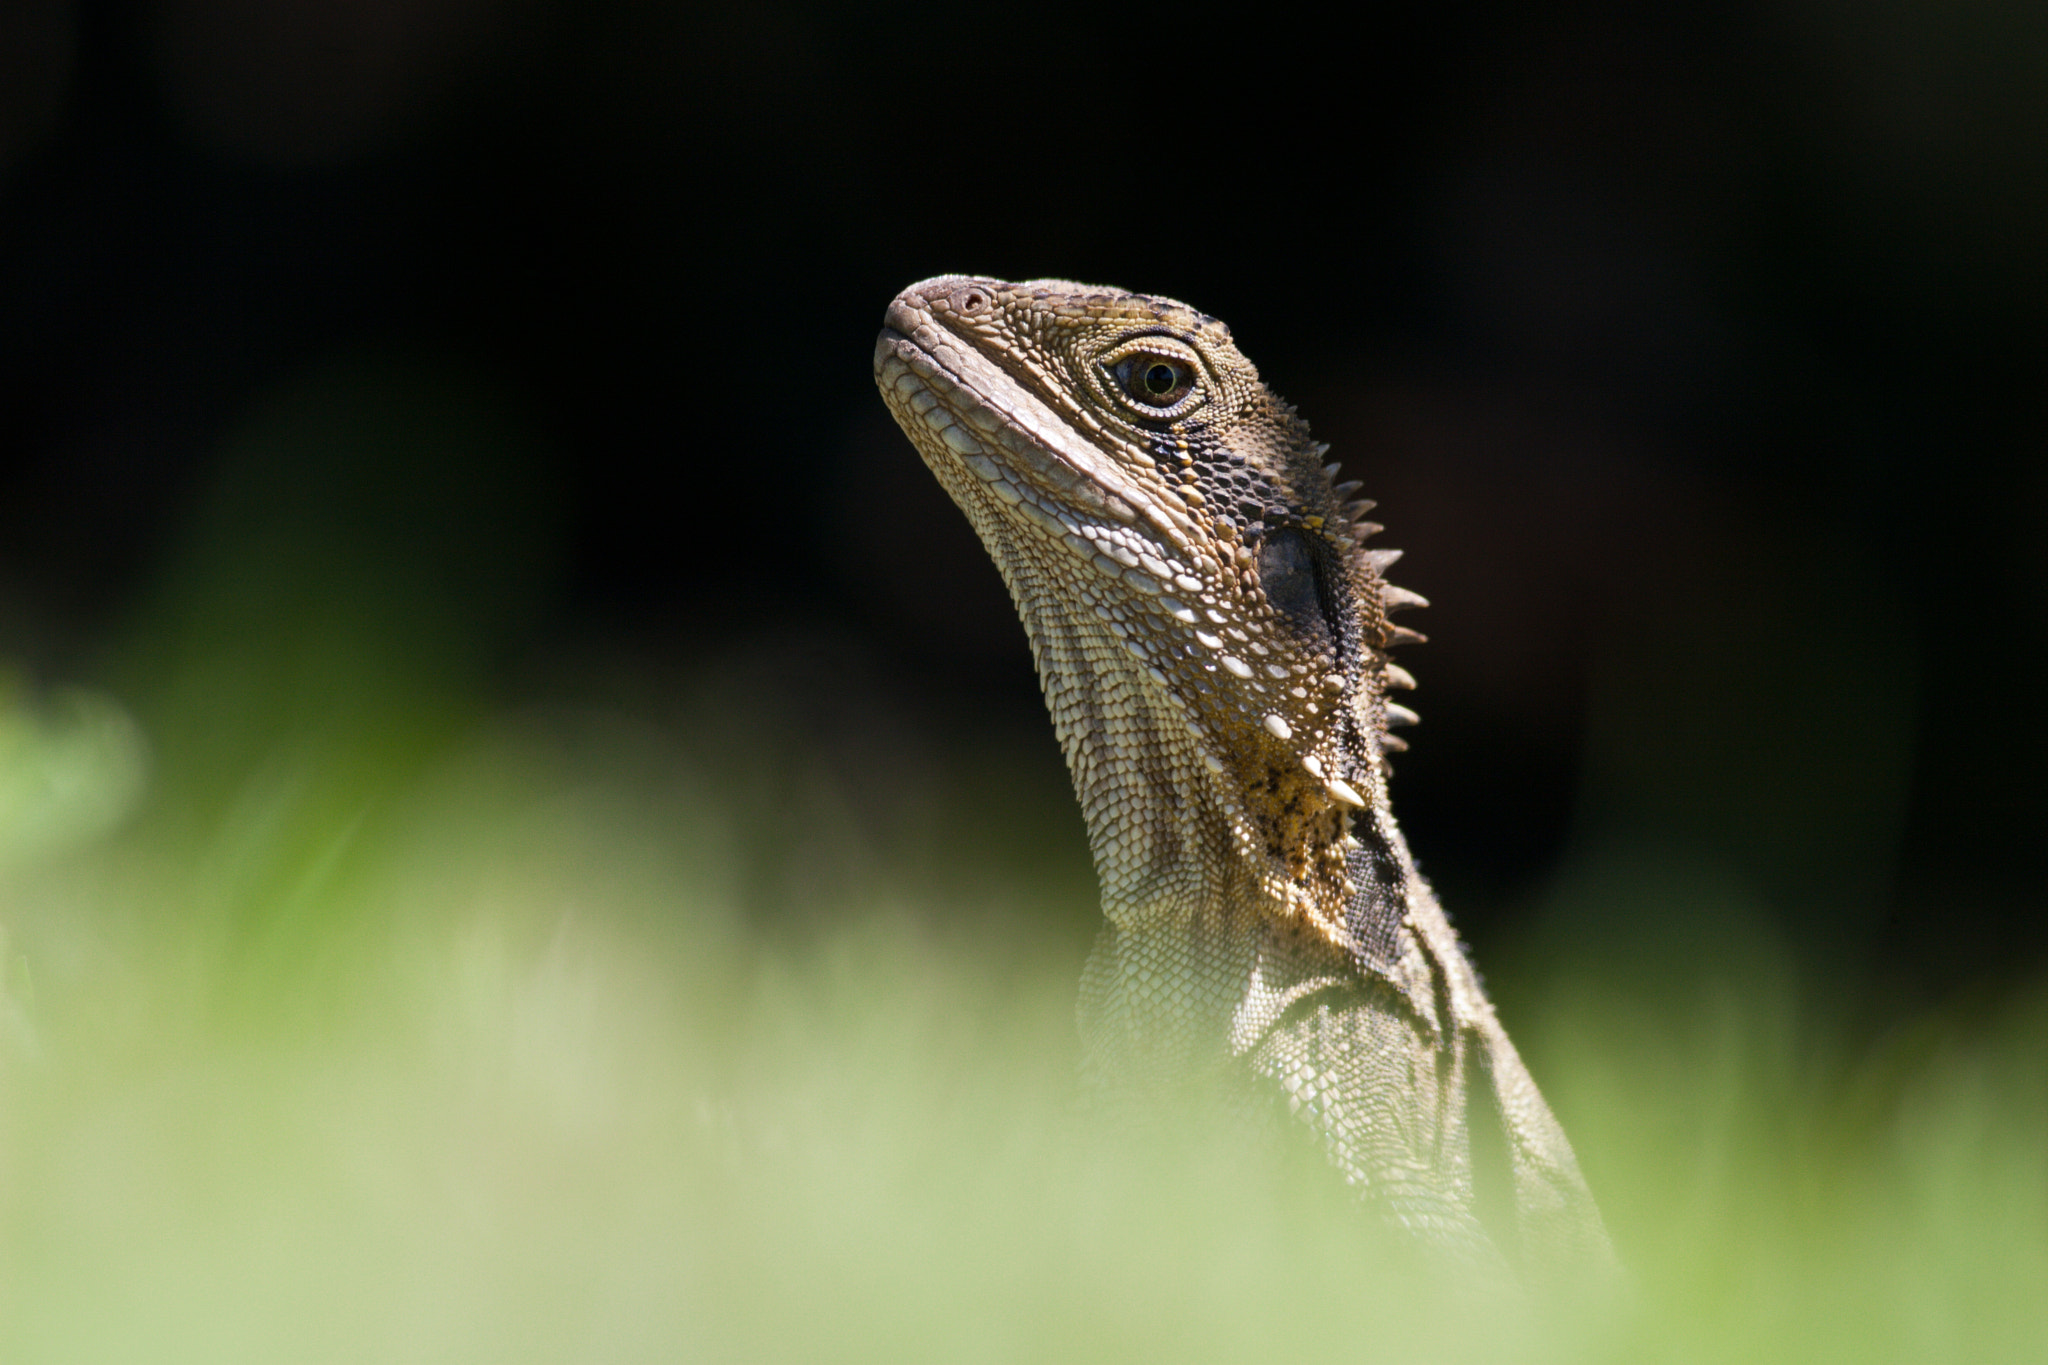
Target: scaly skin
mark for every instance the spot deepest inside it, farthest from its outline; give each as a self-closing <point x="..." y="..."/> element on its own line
<point x="1212" y="636"/>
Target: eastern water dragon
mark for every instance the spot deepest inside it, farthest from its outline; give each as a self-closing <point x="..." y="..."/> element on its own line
<point x="1212" y="628"/>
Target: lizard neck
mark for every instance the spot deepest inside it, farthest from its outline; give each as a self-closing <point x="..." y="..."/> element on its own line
<point x="1214" y="927"/>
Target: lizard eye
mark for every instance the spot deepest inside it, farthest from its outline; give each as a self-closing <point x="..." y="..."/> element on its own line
<point x="1154" y="380"/>
<point x="1157" y="378"/>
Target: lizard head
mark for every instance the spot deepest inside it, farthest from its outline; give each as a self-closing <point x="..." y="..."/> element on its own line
<point x="1126" y="467"/>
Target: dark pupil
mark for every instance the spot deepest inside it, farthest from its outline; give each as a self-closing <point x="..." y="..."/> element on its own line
<point x="1159" y="379"/>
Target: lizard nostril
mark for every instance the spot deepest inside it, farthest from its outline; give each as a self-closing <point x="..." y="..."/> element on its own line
<point x="970" y="300"/>
<point x="906" y="314"/>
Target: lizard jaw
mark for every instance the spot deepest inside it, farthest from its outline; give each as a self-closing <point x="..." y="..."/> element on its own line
<point x="974" y="415"/>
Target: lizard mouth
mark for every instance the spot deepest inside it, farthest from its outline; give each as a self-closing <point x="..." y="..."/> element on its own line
<point x="989" y="423"/>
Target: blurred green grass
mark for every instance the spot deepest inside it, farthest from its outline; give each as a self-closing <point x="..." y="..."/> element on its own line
<point x="708" y="1013"/>
<point x="468" y="1049"/>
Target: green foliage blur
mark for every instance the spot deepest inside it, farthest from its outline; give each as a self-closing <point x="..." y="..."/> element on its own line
<point x="359" y="1005"/>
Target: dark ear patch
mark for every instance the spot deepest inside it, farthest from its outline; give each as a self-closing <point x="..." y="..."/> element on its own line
<point x="1293" y="582"/>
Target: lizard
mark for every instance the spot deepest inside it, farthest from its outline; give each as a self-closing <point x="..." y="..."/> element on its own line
<point x="1212" y="630"/>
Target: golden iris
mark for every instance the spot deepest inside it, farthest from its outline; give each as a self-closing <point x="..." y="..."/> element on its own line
<point x="1156" y="381"/>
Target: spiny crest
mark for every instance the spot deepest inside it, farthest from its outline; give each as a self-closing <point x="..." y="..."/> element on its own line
<point x="1375" y="561"/>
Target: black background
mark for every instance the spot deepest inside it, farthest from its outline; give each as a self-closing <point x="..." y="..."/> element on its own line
<point x="1695" y="354"/>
